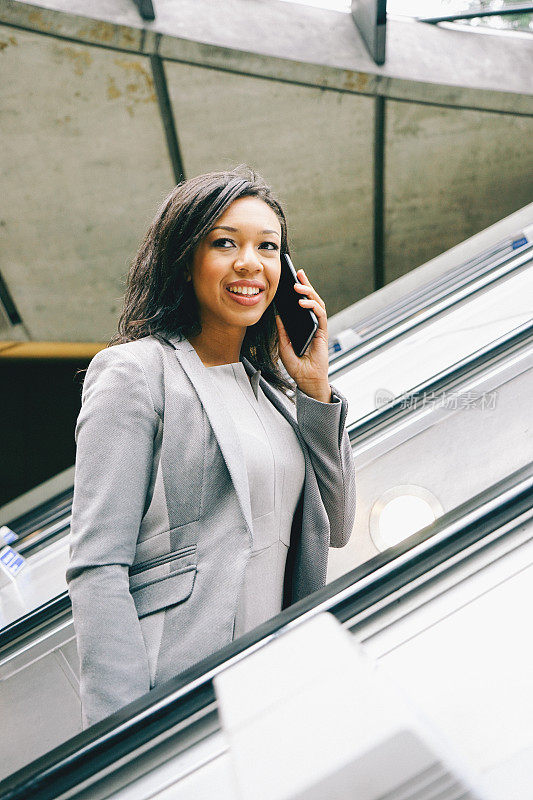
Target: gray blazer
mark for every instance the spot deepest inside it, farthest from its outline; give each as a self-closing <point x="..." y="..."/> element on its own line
<point x="161" y="526"/>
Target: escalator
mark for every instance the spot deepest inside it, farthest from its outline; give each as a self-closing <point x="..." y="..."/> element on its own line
<point x="396" y="481"/>
<point x="399" y="605"/>
<point x="452" y="424"/>
<point x="412" y="351"/>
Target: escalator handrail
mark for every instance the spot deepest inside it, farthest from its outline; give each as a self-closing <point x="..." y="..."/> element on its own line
<point x="25" y="523"/>
<point x="121" y="734"/>
<point x="408" y="322"/>
<point x="35" y="619"/>
<point x="443" y="380"/>
<point x="444" y="285"/>
<point x="41" y="539"/>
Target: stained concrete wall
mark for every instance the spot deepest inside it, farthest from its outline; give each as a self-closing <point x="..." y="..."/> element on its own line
<point x="449" y="173"/>
<point x="314" y="147"/>
<point x="83" y="161"/>
<point x="288" y="89"/>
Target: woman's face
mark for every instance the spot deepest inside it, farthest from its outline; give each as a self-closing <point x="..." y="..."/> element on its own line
<point x="242" y="249"/>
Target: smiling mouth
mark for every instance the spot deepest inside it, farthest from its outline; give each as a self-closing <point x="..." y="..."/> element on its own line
<point x="245" y="291"/>
<point x="246" y="299"/>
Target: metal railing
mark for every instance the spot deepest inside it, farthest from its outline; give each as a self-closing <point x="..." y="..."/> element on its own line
<point x="522" y="8"/>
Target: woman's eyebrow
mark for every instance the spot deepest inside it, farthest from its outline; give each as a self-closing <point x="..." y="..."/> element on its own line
<point x="236" y="230"/>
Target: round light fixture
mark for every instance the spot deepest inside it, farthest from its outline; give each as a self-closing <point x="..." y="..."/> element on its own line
<point x="401" y="511"/>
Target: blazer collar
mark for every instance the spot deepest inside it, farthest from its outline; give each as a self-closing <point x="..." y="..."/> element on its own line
<point x="191" y="357"/>
<point x="224" y="427"/>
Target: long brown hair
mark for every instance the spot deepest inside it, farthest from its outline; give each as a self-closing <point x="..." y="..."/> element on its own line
<point x="159" y="301"/>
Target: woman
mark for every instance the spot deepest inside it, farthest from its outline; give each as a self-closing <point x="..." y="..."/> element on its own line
<point x="205" y="495"/>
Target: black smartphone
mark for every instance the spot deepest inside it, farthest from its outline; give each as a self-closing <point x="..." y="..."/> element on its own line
<point x="300" y="323"/>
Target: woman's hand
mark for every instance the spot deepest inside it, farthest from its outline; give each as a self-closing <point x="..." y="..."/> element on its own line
<point x="310" y="372"/>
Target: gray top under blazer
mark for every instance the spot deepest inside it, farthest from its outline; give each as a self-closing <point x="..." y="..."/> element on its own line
<point x="275" y="467"/>
<point x="161" y="529"/>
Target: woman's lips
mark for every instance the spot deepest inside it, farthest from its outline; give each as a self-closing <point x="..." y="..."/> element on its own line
<point x="245" y="300"/>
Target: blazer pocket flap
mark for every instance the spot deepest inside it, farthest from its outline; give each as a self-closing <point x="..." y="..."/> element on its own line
<point x="164" y="592"/>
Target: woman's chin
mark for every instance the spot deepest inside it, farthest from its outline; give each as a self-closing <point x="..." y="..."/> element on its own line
<point x="246" y="315"/>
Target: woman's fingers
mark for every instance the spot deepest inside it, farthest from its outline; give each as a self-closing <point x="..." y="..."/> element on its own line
<point x="312" y="300"/>
<point x="317" y="307"/>
<point x="305" y="287"/>
<point x="319" y="311"/>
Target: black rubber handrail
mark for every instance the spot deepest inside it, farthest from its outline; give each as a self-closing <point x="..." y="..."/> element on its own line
<point x="456" y="373"/>
<point x="447" y="537"/>
<point x="51" y="608"/>
<point x="43" y="514"/>
<point x="36" y="619"/>
<point x="32" y="544"/>
<point x="99" y="747"/>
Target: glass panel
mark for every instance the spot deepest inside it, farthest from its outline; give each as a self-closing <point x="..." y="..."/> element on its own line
<point x="429" y="8"/>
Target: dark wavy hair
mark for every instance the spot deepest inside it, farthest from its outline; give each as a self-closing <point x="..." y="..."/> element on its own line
<point x="159" y="301"/>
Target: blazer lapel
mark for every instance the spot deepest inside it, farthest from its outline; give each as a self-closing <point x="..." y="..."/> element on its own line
<point x="276" y="399"/>
<point x="222" y="425"/>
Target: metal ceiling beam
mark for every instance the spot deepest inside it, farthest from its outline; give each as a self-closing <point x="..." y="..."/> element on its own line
<point x="146" y="9"/>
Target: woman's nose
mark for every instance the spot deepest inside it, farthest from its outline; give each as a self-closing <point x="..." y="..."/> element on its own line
<point x="247" y="257"/>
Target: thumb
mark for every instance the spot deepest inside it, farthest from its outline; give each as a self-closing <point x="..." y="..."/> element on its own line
<point x="281" y="330"/>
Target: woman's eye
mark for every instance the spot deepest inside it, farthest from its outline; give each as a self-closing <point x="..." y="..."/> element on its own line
<point x="224" y="243"/>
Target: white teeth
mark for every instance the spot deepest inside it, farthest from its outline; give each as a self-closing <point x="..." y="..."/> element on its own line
<point x="244" y="290"/>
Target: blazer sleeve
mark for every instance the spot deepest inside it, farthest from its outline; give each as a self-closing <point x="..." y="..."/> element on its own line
<point x="322" y="427"/>
<point x="114" y="435"/>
